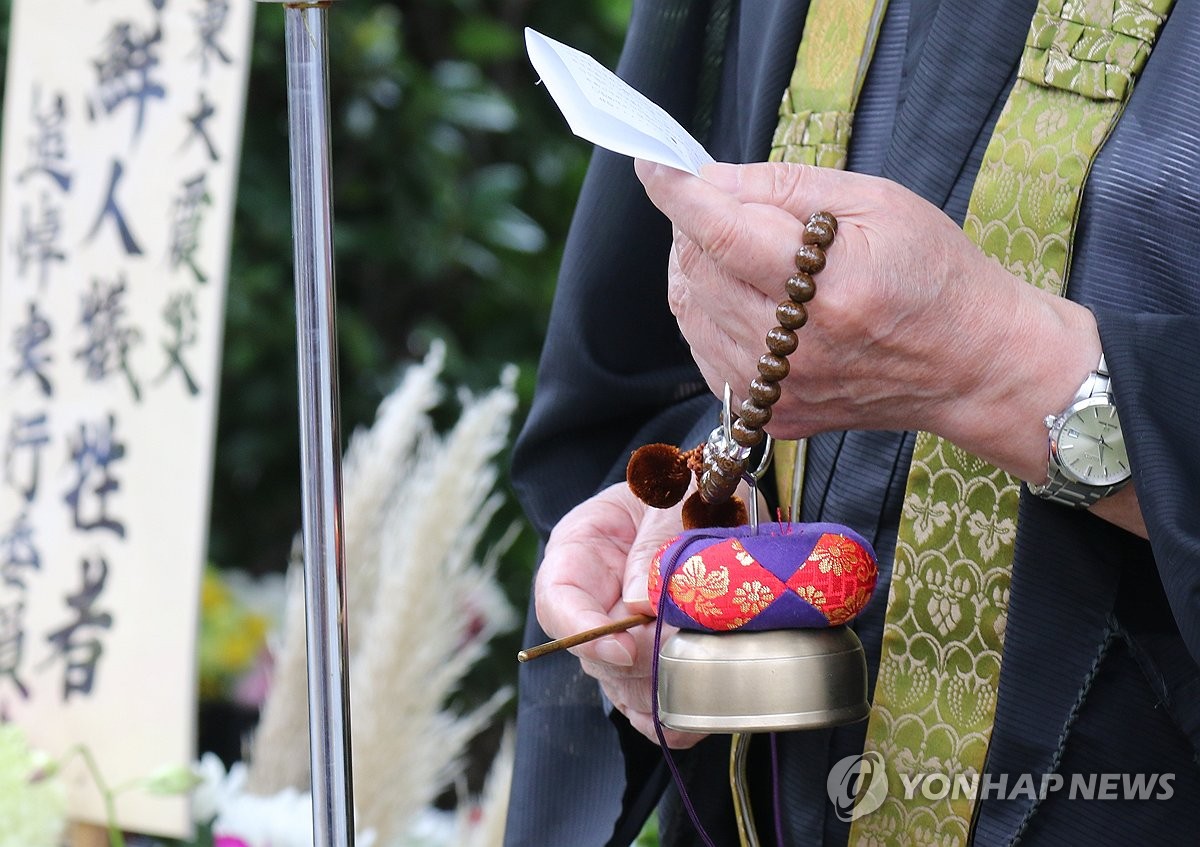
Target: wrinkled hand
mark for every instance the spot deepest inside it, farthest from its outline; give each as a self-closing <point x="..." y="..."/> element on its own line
<point x="594" y="571"/>
<point x="912" y="327"/>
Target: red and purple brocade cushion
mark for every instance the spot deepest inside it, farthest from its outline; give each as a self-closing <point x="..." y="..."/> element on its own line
<point x="788" y="576"/>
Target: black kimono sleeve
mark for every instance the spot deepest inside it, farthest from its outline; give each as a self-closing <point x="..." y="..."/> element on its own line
<point x="614" y="374"/>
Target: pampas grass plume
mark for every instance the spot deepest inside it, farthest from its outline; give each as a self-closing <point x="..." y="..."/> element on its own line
<point x="422" y="605"/>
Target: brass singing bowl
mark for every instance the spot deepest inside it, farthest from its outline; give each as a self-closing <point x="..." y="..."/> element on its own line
<point x="762" y="681"/>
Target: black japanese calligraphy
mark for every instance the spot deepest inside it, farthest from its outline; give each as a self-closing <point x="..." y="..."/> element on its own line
<point x="12" y="643"/>
<point x="111" y="209"/>
<point x="18" y="552"/>
<point x="188" y="217"/>
<point x="30" y="340"/>
<point x="27" y="435"/>
<point x="47" y="145"/>
<point x="94" y="452"/>
<point x="109" y="338"/>
<point x="181" y="319"/>
<point x="110" y="316"/>
<point x="198" y="120"/>
<point x="77" y="643"/>
<point x="210" y="23"/>
<point x="41" y="229"/>
<point x="124" y="72"/>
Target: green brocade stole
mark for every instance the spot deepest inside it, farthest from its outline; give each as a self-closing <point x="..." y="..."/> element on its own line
<point x="935" y="698"/>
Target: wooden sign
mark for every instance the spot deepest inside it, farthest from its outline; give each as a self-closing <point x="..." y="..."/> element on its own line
<point x="122" y="128"/>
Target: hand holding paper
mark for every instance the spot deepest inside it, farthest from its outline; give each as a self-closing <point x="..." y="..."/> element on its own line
<point x="603" y="109"/>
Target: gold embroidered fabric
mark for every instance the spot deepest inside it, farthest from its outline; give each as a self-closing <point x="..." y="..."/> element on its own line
<point x="935" y="699"/>
<point x="1094" y="49"/>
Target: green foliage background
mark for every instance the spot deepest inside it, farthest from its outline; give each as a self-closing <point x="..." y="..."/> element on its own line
<point x="454" y="181"/>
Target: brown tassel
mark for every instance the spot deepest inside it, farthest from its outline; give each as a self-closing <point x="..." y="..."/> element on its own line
<point x="699" y="514"/>
<point x="658" y="475"/>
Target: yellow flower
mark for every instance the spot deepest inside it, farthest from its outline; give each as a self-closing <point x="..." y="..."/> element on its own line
<point x="232" y="637"/>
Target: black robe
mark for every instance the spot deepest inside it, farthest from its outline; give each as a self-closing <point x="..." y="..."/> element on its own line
<point x="1100" y="670"/>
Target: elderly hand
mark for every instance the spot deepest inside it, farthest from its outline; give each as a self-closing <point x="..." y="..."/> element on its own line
<point x="594" y="571"/>
<point x="912" y="327"/>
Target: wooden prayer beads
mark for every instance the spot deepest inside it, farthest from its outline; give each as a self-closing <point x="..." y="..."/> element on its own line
<point x="724" y="463"/>
<point x="659" y="474"/>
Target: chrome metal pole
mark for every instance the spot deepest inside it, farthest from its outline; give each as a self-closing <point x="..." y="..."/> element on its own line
<point x="320" y="431"/>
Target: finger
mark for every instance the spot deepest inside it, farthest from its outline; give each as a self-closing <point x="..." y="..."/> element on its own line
<point x="632" y="699"/>
<point x="657" y="528"/>
<point x="721" y="317"/>
<point x="698" y="323"/>
<point x="676" y="740"/>
<point x="800" y="189"/>
<point x="677" y="291"/>
<point x="579" y="583"/>
<point x="720" y="357"/>
<point x="579" y="580"/>
<point x="565" y="607"/>
<point x="753" y="242"/>
<point x="635" y="593"/>
<point x="638" y="643"/>
<point x="743" y="309"/>
<point x="613" y="658"/>
<point x="616" y="648"/>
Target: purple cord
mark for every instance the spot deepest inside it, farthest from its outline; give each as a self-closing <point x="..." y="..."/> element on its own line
<point x="775" y="793"/>
<point x="665" y="574"/>
<point x="666" y="571"/>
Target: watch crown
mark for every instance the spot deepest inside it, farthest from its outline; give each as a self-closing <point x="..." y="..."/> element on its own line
<point x="1049" y="421"/>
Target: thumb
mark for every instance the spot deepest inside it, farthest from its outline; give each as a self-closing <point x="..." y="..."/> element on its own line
<point x="657" y="529"/>
<point x="635" y="592"/>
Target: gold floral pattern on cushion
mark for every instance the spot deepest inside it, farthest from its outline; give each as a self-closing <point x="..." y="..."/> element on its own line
<point x="703" y="589"/>
<point x="721" y="586"/>
<point x="841" y="573"/>
<point x="753" y="597"/>
<point x="811" y="594"/>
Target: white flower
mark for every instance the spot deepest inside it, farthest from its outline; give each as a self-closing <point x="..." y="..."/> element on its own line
<point x="278" y="820"/>
<point x="281" y="820"/>
<point x="216" y="788"/>
<point x="432" y="828"/>
<point x="32" y="798"/>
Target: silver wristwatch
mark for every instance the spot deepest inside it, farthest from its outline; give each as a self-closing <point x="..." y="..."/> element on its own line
<point x="1087" y="460"/>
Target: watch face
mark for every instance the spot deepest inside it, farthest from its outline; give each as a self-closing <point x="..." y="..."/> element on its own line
<point x="1090" y="447"/>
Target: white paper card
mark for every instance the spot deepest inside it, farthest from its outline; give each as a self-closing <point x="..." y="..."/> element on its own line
<point x="603" y="109"/>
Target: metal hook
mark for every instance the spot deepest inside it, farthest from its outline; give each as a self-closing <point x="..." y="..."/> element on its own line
<point x="752" y="478"/>
<point x="765" y="462"/>
<point x="727" y="414"/>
